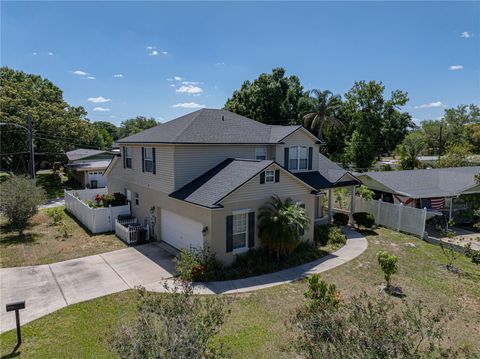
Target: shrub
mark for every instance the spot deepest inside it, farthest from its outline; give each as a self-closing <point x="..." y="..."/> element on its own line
<point x="340" y="219"/>
<point x="370" y="327"/>
<point x="20" y="198"/>
<point x="198" y="265"/>
<point x="328" y="234"/>
<point x="57" y="215"/>
<point x="473" y="254"/>
<point x="364" y="219"/>
<point x="389" y="264"/>
<point x="321" y="293"/>
<point x="451" y="255"/>
<point x="174" y="325"/>
<point x="116" y="199"/>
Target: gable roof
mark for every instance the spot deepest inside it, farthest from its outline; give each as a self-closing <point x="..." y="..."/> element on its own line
<point x="83" y="153"/>
<point x="428" y="183"/>
<point x="212" y="126"/>
<point x="217" y="183"/>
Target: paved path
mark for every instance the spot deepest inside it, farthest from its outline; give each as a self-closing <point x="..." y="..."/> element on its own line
<point x="47" y="288"/>
<point x="55" y="202"/>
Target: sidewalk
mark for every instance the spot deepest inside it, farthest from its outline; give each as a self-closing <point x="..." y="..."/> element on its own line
<point x="55" y="202"/>
<point x="47" y="288"/>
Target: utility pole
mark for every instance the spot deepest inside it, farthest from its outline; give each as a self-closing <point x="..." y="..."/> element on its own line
<point x="30" y="144"/>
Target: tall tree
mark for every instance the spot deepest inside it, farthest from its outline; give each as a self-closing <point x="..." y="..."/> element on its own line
<point x="272" y="98"/>
<point x="324" y="107"/>
<point x="410" y="148"/>
<point x="456" y="120"/>
<point x="370" y="115"/>
<point x="57" y="126"/>
<point x="136" y="125"/>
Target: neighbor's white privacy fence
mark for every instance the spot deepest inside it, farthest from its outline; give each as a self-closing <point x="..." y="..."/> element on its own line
<point x="395" y="216"/>
<point x="97" y="220"/>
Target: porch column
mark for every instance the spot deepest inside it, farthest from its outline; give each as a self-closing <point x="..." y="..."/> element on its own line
<point x="352" y="203"/>
<point x="330" y="205"/>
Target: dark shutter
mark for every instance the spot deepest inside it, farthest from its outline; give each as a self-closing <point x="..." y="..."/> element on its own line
<point x="286" y="157"/>
<point x="262" y="177"/>
<point x="277" y="175"/>
<point x="310" y="157"/>
<point x="143" y="159"/>
<point x="154" y="161"/>
<point x="251" y="229"/>
<point x="229" y="234"/>
<point x="124" y="152"/>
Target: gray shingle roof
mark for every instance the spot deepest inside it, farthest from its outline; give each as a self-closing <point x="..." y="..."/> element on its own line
<point x="83" y="153"/>
<point x="212" y="126"/>
<point x="215" y="184"/>
<point x="428" y="183"/>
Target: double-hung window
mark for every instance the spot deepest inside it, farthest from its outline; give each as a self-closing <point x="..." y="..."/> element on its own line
<point x="128" y="157"/>
<point x="298" y="158"/>
<point x="148" y="159"/>
<point x="261" y="153"/>
<point x="240" y="230"/>
<point x="269" y="176"/>
<point x="137" y="199"/>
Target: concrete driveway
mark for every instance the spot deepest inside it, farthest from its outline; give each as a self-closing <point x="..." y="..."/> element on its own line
<point x="46" y="288"/>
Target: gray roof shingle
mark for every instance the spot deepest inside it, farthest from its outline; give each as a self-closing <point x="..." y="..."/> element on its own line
<point x="428" y="183"/>
<point x="212" y="126"/>
<point x="215" y="184"/>
<point x="83" y="153"/>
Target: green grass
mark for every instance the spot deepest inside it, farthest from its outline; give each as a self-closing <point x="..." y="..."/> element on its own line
<point x="257" y="326"/>
<point x="53" y="184"/>
<point x="4" y="176"/>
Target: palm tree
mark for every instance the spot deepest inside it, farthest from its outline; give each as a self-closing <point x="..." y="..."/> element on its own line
<point x="280" y="225"/>
<point x="324" y="106"/>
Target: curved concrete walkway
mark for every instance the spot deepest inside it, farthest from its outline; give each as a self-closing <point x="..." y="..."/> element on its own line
<point x="47" y="288"/>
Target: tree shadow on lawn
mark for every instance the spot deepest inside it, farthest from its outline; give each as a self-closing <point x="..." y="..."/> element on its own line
<point x="367" y="232"/>
<point x="16" y="239"/>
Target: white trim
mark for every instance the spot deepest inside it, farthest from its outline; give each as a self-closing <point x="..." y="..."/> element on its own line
<point x="241" y="211"/>
<point x="237" y="213"/>
<point x="270" y="176"/>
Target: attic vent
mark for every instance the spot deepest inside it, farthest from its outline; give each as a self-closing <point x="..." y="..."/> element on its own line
<point x="223" y="118"/>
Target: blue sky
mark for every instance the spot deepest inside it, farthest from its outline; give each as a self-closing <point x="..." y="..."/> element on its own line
<point x="122" y="59"/>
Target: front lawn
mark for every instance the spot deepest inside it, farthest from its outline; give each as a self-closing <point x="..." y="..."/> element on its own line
<point x="256" y="327"/>
<point x="44" y="243"/>
<point x="53" y="184"/>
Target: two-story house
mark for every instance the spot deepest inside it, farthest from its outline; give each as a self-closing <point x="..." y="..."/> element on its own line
<point x="199" y="180"/>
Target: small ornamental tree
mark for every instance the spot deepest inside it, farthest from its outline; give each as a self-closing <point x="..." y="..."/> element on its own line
<point x="20" y="198"/>
<point x="389" y="264"/>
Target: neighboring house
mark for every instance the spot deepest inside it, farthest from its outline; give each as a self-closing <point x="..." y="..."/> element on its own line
<point x="88" y="166"/>
<point x="200" y="180"/>
<point x="443" y="189"/>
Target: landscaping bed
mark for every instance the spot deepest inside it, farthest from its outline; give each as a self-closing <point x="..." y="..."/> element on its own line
<point x="46" y="242"/>
<point x="256" y="326"/>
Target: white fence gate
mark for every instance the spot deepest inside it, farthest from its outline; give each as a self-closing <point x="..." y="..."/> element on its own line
<point x="97" y="220"/>
<point x="395" y="216"/>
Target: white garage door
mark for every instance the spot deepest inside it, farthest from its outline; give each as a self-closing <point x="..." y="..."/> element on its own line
<point x="179" y="231"/>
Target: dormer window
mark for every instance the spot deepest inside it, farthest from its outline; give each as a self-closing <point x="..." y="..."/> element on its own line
<point x="269" y="176"/>
<point x="298" y="158"/>
<point x="261" y="153"/>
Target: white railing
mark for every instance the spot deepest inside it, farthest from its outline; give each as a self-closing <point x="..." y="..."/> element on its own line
<point x="128" y="230"/>
<point x="395" y="216"/>
<point x="97" y="220"/>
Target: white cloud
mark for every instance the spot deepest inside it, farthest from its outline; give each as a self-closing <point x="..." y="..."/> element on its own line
<point x="190" y="89"/>
<point x="190" y="82"/>
<point x="80" y="73"/>
<point x="91" y="77"/>
<point x="455" y="67"/>
<point x="189" y="105"/>
<point x="466" y="34"/>
<point x="153" y="53"/>
<point x="34" y="53"/>
<point x="220" y="64"/>
<point x="431" y="105"/>
<point x="172" y="85"/>
<point x="178" y="78"/>
<point x="50" y="53"/>
<point x="101" y="109"/>
<point x="150" y="47"/>
<point x="118" y="75"/>
<point x="165" y="52"/>
<point x="98" y="99"/>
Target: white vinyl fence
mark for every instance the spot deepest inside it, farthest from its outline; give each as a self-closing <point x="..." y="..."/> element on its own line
<point x="395" y="216"/>
<point x="97" y="220"/>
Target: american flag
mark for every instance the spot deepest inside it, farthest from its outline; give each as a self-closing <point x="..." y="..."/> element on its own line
<point x="433" y="203"/>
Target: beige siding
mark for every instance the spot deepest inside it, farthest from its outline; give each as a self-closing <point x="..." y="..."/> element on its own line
<point x="193" y="161"/>
<point x="301" y="138"/>
<point x="163" y="180"/>
<point x="288" y="185"/>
